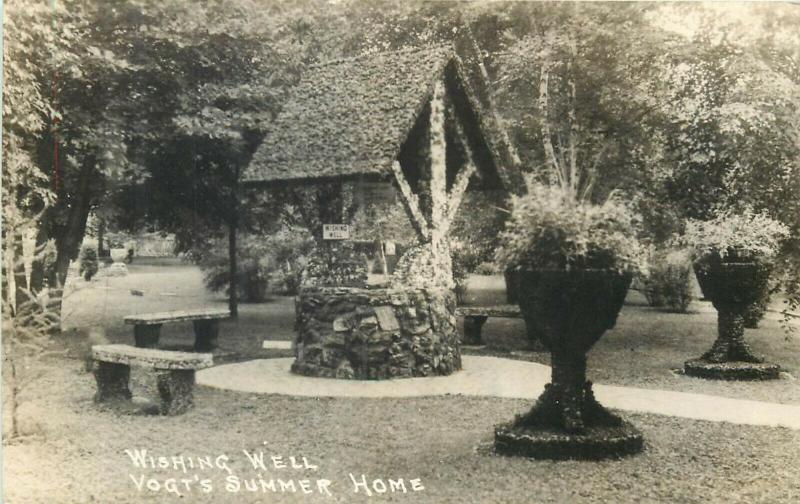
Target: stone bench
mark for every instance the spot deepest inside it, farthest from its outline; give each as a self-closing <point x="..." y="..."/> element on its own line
<point x="147" y="326"/>
<point x="174" y="373"/>
<point x="476" y="316"/>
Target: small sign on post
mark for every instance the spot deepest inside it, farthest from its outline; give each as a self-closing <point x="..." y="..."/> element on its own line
<point x="335" y="231"/>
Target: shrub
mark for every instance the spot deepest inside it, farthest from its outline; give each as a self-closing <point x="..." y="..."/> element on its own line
<point x="550" y="228"/>
<point x="668" y="282"/>
<point x="465" y="260"/>
<point x="277" y="260"/>
<point x="252" y="277"/>
<point x="88" y="262"/>
<point x="286" y="282"/>
<point x="289" y="249"/>
<point x="735" y="236"/>
<point x="486" y="268"/>
<point x="473" y="235"/>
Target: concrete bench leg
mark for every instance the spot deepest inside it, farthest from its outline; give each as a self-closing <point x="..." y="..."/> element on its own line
<point x="112" y="381"/>
<point x="146" y="336"/>
<point x="205" y="335"/>
<point x="176" y="389"/>
<point x="472" y="329"/>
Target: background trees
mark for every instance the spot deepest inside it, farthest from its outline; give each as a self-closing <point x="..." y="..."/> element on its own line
<point x="147" y="111"/>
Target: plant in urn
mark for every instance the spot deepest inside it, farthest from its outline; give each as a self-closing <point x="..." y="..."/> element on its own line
<point x="574" y="262"/>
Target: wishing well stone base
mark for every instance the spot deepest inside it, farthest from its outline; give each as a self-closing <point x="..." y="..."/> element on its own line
<point x="356" y="333"/>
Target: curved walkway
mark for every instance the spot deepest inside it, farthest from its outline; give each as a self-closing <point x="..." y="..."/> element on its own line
<point x="496" y="377"/>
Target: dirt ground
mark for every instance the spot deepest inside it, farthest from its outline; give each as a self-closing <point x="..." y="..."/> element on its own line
<point x="74" y="451"/>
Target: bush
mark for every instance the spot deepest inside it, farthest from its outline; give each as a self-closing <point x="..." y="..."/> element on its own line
<point x="668" y="283"/>
<point x="465" y="260"/>
<point x="473" y="236"/>
<point x="252" y="277"/>
<point x="550" y="228"/>
<point x="486" y="268"/>
<point x="287" y="282"/>
<point x="88" y="262"/>
<point x="277" y="260"/>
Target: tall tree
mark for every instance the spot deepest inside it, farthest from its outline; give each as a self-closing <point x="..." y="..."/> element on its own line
<point x="575" y="83"/>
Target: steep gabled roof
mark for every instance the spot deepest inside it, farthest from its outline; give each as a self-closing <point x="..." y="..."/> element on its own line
<point x="348" y="117"/>
<point x="351" y="117"/>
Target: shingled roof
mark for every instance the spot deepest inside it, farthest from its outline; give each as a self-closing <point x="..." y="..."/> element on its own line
<point x="350" y="117"/>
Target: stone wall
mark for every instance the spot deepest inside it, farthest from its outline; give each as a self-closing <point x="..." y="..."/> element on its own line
<point x="356" y="333"/>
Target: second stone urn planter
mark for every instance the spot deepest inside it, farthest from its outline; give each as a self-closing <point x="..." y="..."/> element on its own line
<point x="571" y="311"/>
<point x="757" y="309"/>
<point x="732" y="287"/>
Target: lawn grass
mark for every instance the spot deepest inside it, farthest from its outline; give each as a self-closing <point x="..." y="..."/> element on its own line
<point x="75" y="450"/>
<point x="103" y="303"/>
<point x="79" y="454"/>
<point x="648" y="346"/>
<point x="646" y="349"/>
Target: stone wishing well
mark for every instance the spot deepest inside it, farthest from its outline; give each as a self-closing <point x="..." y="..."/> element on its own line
<point x="421" y="120"/>
<point x="356" y="333"/>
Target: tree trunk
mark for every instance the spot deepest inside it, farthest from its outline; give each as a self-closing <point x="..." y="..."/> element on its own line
<point x="14" y="399"/>
<point x="38" y="273"/>
<point x="18" y="265"/>
<point x="573" y="122"/>
<point x="101" y="231"/>
<point x="547" y="139"/>
<point x="68" y="238"/>
<point x="233" y="299"/>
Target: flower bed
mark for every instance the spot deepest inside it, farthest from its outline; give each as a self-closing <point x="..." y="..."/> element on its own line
<point x="357" y="333"/>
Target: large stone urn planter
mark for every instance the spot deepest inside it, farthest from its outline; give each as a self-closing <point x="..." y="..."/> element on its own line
<point x="571" y="311"/>
<point x="757" y="309"/>
<point x="359" y="333"/>
<point x="512" y="278"/>
<point x="732" y="287"/>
